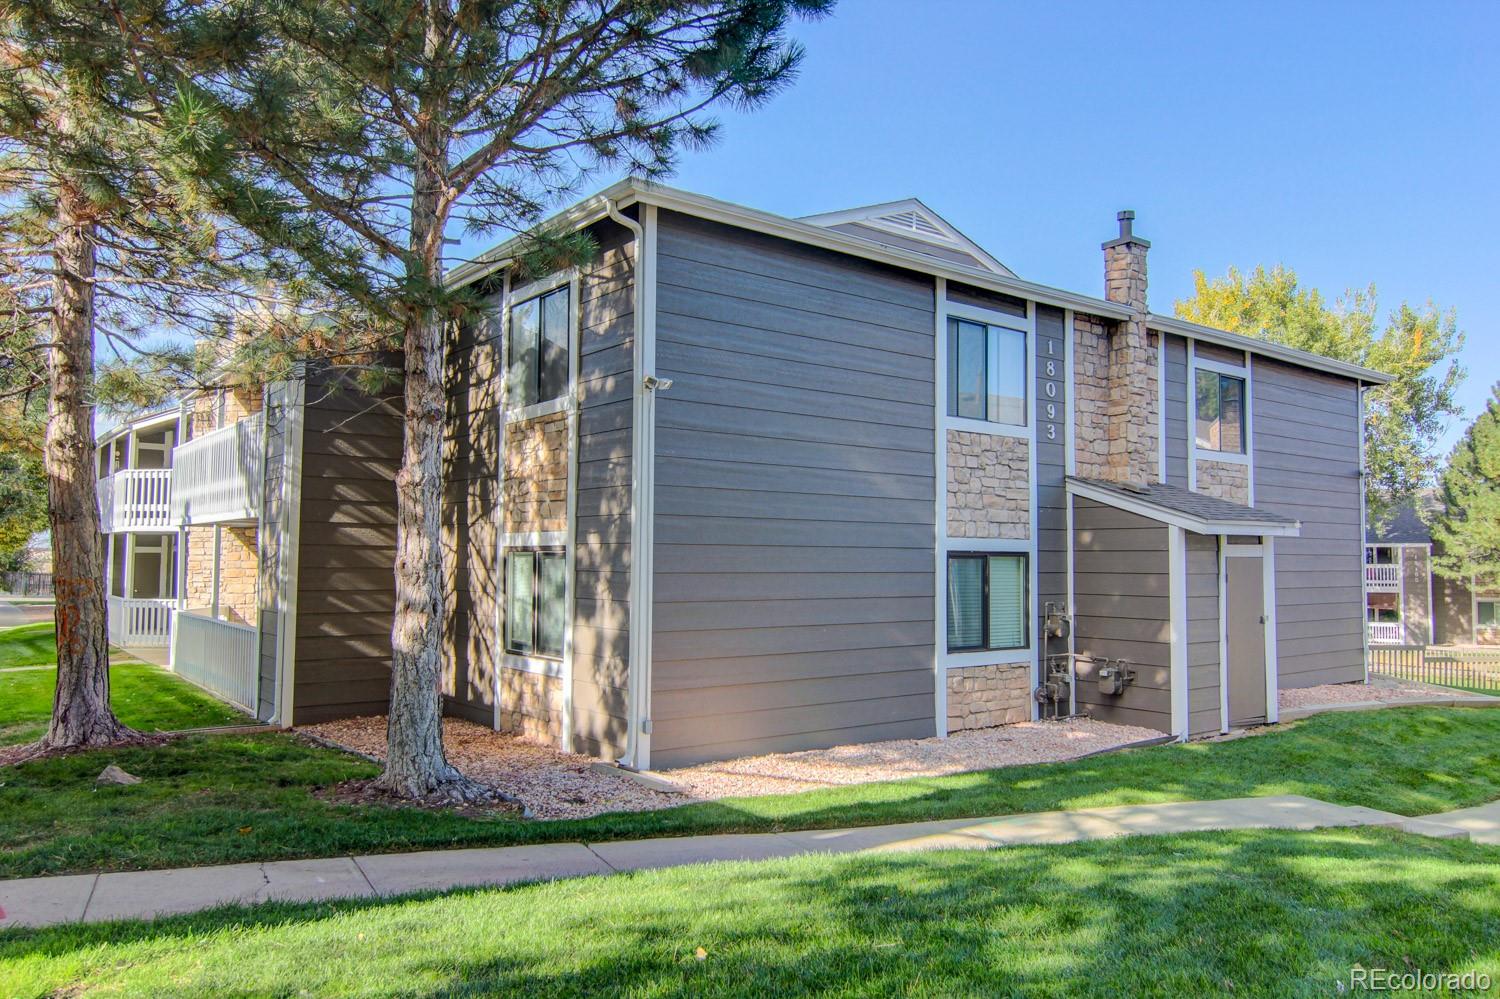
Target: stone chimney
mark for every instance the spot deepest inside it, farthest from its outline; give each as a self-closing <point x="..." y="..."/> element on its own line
<point x="1133" y="393"/>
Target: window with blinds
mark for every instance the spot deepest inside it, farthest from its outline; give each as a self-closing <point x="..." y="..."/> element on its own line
<point x="987" y="601"/>
<point x="535" y="603"/>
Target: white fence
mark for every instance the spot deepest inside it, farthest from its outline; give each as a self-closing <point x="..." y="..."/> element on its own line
<point x="218" y="655"/>
<point x="1386" y="632"/>
<point x="135" y="499"/>
<point x="217" y="477"/>
<point x="140" y="623"/>
<point x="1383" y="577"/>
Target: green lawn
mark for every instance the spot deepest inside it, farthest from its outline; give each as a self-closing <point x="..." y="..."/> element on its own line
<point x="1245" y="914"/>
<point x="144" y="696"/>
<point x="28" y="645"/>
<point x="222" y="799"/>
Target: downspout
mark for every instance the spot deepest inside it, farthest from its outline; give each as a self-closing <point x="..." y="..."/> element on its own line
<point x="638" y="671"/>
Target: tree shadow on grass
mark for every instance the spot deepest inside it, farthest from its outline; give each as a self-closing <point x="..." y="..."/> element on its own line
<point x="1273" y="913"/>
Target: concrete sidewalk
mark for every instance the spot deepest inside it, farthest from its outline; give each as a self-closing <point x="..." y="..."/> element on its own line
<point x="1456" y="701"/>
<point x="147" y="894"/>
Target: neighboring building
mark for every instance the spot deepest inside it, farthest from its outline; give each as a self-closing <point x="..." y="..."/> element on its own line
<point x="1407" y="603"/>
<point x="252" y="527"/>
<point x="747" y="484"/>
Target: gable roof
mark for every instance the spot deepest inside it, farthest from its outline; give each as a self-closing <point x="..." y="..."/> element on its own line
<point x="633" y="190"/>
<point x="908" y="224"/>
<point x="1403" y="527"/>
<point x="1197" y="512"/>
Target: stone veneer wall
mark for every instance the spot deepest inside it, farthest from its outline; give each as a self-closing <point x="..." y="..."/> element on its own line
<point x="536" y="475"/>
<point x="238" y="572"/>
<point x="989" y="486"/>
<point x="1116" y="424"/>
<point x="531" y="706"/>
<point x="1091" y="396"/>
<point x="1226" y="480"/>
<point x="238" y="404"/>
<point x="985" y="696"/>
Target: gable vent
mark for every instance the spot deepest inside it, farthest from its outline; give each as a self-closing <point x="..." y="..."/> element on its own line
<point x="913" y="221"/>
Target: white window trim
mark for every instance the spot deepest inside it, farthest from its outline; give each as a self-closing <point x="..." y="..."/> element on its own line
<point x="1195" y="453"/>
<point x="1003" y="320"/>
<point x="514" y="296"/>
<point x="567" y="402"/>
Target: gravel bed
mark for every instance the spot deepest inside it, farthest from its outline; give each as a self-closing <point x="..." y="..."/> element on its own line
<point x="552" y="784"/>
<point x="1378" y="689"/>
<point x="557" y="785"/>
<point x="979" y="749"/>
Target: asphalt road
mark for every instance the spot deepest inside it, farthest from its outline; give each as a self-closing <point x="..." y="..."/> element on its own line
<point x="12" y="614"/>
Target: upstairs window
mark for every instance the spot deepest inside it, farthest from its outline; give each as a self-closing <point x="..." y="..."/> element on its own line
<point x="986" y="372"/>
<point x="987" y="602"/>
<point x="538" y="360"/>
<point x="1221" y="413"/>
<point x="1485" y="613"/>
<point x="535" y="603"/>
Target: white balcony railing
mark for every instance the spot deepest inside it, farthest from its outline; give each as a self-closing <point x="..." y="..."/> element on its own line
<point x="140" y="623"/>
<point x="217" y="477"/>
<point x="1386" y="632"/>
<point x="218" y="655"/>
<point x="135" y="499"/>
<point x="1383" y="577"/>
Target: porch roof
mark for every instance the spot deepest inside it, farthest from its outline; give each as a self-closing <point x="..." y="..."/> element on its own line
<point x="1196" y="512"/>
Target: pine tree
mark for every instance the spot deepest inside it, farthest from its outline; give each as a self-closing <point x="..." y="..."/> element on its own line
<point x="99" y="253"/>
<point x="355" y="133"/>
<point x="1466" y="528"/>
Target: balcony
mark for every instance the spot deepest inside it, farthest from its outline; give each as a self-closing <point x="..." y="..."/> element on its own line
<point x="141" y="624"/>
<point x="219" y="655"/>
<point x="1383" y="577"/>
<point x="1386" y="632"/>
<point x="135" y="499"/>
<point x="216" y="478"/>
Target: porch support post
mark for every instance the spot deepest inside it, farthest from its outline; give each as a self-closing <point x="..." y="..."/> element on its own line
<point x="1273" y="670"/>
<point x="218" y="539"/>
<point x="1177" y="607"/>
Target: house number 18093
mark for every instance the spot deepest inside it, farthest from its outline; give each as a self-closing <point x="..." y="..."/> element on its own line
<point x="1050" y="391"/>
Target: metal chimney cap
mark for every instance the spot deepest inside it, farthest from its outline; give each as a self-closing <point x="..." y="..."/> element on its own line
<point x="1126" y="218"/>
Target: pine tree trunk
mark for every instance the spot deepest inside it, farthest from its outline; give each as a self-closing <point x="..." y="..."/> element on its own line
<point x="415" y="763"/>
<point x="81" y="715"/>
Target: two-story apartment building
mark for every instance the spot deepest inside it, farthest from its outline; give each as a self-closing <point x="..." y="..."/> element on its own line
<point x="746" y="483"/>
<point x="1408" y="603"/>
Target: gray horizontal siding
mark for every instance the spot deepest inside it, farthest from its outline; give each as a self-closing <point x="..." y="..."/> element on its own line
<point x="1203" y="630"/>
<point x="601" y="610"/>
<point x="1305" y="437"/>
<point x="794" y="498"/>
<point x="1122" y="611"/>
<point x="346" y="557"/>
<point x="1176" y="396"/>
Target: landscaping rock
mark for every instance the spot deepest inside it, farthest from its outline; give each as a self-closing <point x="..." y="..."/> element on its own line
<point x="114" y="775"/>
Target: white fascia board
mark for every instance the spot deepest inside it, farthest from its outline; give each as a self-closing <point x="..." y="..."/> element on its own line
<point x="632" y="191"/>
<point x="1266" y="348"/>
<point x="1197" y="525"/>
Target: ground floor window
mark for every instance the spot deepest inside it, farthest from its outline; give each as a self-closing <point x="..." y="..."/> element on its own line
<point x="1485" y="613"/>
<point x="987" y="601"/>
<point x="535" y="602"/>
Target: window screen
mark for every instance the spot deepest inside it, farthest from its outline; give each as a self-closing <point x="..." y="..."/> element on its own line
<point x="1220" y="405"/>
<point x="986" y="372"/>
<point x="539" y="333"/>
<point x="536" y="610"/>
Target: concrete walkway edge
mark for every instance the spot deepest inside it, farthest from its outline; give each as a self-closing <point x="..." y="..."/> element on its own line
<point x="149" y="894"/>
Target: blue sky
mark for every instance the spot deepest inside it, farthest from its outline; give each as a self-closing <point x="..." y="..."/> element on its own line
<point x="1354" y="142"/>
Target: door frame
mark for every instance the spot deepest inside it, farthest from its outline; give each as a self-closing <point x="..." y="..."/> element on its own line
<point x="1266" y="553"/>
